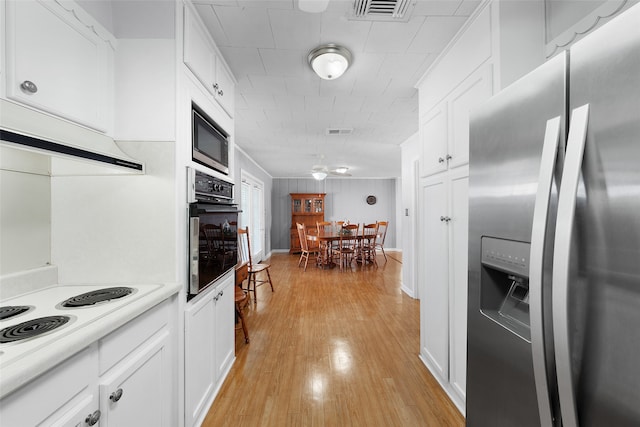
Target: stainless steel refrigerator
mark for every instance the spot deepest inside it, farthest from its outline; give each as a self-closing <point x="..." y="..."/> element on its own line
<point x="554" y="245"/>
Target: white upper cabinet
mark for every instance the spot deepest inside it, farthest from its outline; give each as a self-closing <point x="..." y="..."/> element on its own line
<point x="207" y="65"/>
<point x="56" y="62"/>
<point x="476" y="89"/>
<point x="444" y="130"/>
<point x="433" y="139"/>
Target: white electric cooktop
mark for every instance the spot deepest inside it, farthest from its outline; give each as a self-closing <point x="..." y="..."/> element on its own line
<point x="43" y="317"/>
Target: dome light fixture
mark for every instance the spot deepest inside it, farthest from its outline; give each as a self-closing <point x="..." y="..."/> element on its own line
<point x="319" y="175"/>
<point x="341" y="170"/>
<point x="329" y="61"/>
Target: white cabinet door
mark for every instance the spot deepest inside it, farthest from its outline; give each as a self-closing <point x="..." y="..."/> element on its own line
<point x="202" y="59"/>
<point x="224" y="325"/>
<point x="444" y="131"/>
<point x="458" y="254"/>
<point x="434" y="294"/>
<point x="199" y="357"/>
<point x="433" y="139"/>
<point x="138" y="392"/>
<point x="225" y="88"/>
<point x="198" y="55"/>
<point x="476" y="89"/>
<point x="56" y="63"/>
<point x="82" y="414"/>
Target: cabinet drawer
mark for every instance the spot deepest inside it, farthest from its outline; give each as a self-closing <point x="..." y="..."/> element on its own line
<point x="55" y="391"/>
<point x="117" y="345"/>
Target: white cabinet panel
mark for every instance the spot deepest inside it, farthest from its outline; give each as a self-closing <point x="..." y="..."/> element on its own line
<point x="443" y="278"/>
<point x="209" y="347"/>
<point x="225" y="88"/>
<point x="435" y="287"/>
<point x="433" y="139"/>
<point x="138" y="394"/>
<point x="203" y="60"/>
<point x="199" y="355"/>
<point x="198" y="56"/>
<point x="81" y="414"/>
<point x="458" y="254"/>
<point x="444" y="131"/>
<point x="56" y="63"/>
<point x="471" y="93"/>
<point x="225" y="329"/>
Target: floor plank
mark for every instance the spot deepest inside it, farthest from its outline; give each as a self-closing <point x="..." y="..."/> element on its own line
<point x="332" y="348"/>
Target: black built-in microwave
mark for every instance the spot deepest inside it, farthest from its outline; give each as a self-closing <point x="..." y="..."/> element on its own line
<point x="210" y="142"/>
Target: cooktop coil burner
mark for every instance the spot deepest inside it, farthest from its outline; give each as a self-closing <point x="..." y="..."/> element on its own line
<point x="9" y="311"/>
<point x="95" y="297"/>
<point x="32" y="328"/>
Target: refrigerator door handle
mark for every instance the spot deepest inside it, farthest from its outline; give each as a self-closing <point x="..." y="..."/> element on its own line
<point x="536" y="257"/>
<point x="562" y="251"/>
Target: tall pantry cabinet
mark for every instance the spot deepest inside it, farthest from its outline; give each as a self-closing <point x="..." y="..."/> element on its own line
<point x="465" y="75"/>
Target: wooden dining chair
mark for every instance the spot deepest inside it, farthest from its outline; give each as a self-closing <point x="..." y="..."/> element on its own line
<point x="367" y="244"/>
<point x="306" y="249"/>
<point x="325" y="227"/>
<point x="254" y="269"/>
<point x="347" y="246"/>
<point x="382" y="235"/>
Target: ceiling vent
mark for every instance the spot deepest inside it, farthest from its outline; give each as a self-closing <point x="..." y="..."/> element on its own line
<point x="382" y="10"/>
<point x="337" y="131"/>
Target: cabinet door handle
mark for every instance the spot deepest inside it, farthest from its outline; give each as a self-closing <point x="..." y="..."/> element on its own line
<point x="116" y="395"/>
<point x="445" y="218"/>
<point x="29" y="86"/>
<point x="215" y="86"/>
<point x="449" y="157"/>
<point x="220" y="92"/>
<point x="440" y="160"/>
<point x="92" y="419"/>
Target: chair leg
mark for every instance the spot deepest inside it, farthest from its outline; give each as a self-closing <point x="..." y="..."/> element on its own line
<point x="242" y="322"/>
<point x="269" y="277"/>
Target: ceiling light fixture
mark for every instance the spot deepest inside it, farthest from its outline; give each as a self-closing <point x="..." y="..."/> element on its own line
<point x="319" y="175"/>
<point x="313" y="6"/>
<point x="329" y="61"/>
<point x="341" y="169"/>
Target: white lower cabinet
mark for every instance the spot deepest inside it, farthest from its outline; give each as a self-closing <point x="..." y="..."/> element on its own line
<point x="124" y="379"/>
<point x="136" y="393"/>
<point x="209" y="347"/>
<point x="443" y="279"/>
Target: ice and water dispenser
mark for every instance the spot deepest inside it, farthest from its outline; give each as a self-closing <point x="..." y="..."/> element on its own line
<point x="504" y="284"/>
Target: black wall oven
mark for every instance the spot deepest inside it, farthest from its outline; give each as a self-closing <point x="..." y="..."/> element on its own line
<point x="213" y="226"/>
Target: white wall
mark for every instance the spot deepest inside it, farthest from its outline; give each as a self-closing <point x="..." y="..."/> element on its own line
<point x="25" y="211"/>
<point x="117" y="228"/>
<point x="410" y="155"/>
<point x="345" y="199"/>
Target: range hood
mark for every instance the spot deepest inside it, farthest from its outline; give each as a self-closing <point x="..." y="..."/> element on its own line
<point x="71" y="149"/>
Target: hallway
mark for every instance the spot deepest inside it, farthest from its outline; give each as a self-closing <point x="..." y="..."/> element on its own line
<point x="331" y="348"/>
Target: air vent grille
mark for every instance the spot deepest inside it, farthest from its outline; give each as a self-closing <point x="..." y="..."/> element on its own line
<point x="338" y="131"/>
<point x="382" y="10"/>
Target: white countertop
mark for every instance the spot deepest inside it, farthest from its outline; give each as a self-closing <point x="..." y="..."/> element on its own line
<point x="22" y="361"/>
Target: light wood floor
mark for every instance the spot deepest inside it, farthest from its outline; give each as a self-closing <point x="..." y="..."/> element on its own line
<point x="331" y="348"/>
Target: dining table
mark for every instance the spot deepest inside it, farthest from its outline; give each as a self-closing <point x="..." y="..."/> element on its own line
<point x="325" y="239"/>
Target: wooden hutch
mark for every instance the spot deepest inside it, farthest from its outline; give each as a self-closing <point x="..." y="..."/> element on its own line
<point x="307" y="209"/>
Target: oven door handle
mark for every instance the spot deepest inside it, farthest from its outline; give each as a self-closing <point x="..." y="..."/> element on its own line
<point x="194" y="253"/>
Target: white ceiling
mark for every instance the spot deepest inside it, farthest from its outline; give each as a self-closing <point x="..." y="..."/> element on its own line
<point x="283" y="109"/>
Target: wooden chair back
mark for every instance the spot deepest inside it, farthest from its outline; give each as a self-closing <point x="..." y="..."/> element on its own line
<point x="244" y="246"/>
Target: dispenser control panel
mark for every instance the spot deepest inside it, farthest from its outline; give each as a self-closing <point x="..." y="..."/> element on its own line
<point x="506" y="255"/>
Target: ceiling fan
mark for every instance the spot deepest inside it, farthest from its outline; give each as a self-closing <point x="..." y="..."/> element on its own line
<point x="320" y="172"/>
